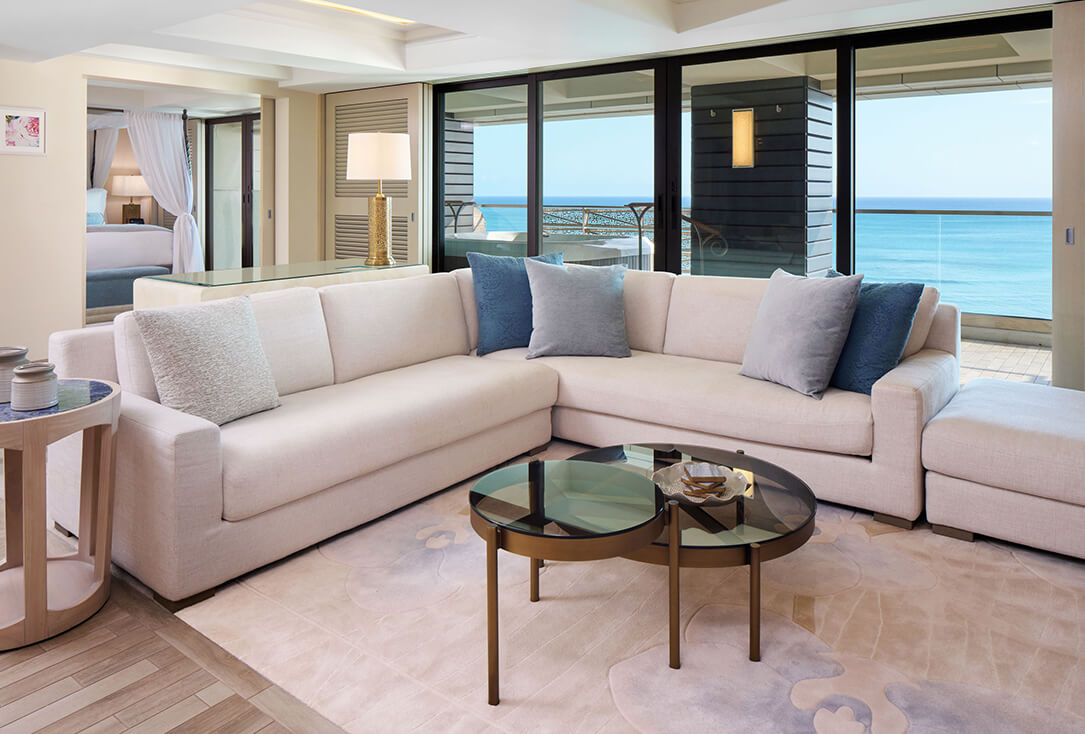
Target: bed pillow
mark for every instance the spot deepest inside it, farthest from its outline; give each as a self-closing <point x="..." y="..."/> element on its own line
<point x="879" y="330"/>
<point x="96" y="199"/>
<point x="503" y="299"/>
<point x="577" y="311"/>
<point x="800" y="330"/>
<point x="207" y="359"/>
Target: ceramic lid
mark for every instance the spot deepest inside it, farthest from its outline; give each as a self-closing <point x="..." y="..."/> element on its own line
<point x="34" y="368"/>
<point x="13" y="352"/>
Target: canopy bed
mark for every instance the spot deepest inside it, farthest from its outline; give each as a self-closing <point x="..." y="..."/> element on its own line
<point x="118" y="253"/>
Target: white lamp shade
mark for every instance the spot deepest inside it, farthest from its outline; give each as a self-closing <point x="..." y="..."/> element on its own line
<point x="378" y="156"/>
<point x="130" y="186"/>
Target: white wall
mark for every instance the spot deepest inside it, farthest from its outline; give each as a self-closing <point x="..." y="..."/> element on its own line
<point x="1068" y="261"/>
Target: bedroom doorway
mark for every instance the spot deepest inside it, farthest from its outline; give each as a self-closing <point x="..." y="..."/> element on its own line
<point x="233" y="191"/>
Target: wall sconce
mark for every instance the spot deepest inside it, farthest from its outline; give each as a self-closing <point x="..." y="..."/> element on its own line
<point x="742" y="138"/>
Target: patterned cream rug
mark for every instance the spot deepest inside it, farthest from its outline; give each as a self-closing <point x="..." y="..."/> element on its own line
<point x="866" y="628"/>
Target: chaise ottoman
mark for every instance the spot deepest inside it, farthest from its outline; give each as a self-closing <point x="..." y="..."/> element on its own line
<point x="1007" y="459"/>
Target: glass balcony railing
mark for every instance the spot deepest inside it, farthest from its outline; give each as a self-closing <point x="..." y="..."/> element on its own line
<point x="985" y="261"/>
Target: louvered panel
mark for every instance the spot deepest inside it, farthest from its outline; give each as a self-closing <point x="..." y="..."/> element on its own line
<point x="352" y="237"/>
<point x="384" y="116"/>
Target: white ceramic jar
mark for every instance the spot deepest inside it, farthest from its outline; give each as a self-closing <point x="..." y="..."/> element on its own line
<point x="10" y="358"/>
<point x="34" y="387"/>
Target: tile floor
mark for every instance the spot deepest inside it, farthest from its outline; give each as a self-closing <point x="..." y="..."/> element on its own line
<point x="1005" y="362"/>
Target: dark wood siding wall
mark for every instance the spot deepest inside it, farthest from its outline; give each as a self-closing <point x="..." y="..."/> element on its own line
<point x="459" y="170"/>
<point x="777" y="214"/>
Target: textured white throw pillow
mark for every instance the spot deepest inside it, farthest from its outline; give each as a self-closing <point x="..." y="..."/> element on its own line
<point x="208" y="360"/>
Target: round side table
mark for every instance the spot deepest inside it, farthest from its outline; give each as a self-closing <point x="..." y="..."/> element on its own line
<point x="41" y="596"/>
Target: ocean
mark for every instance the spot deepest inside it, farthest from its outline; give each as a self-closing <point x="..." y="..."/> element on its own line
<point x="986" y="264"/>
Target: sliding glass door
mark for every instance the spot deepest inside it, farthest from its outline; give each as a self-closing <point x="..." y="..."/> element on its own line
<point x="598" y="168"/>
<point x="484" y="161"/>
<point x="953" y="179"/>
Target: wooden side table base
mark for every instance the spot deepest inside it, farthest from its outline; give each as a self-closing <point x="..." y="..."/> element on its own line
<point x="42" y="596"/>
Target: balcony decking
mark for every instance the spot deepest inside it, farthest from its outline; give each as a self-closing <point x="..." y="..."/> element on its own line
<point x="1005" y="362"/>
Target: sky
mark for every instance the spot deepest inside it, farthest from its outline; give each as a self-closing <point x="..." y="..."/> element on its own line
<point x="976" y="145"/>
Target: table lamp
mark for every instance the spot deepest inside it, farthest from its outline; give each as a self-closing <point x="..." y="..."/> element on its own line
<point x="130" y="186"/>
<point x="379" y="157"/>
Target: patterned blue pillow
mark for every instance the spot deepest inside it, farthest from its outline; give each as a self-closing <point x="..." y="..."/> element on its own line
<point x="503" y="296"/>
<point x="879" y="330"/>
<point x="95" y="218"/>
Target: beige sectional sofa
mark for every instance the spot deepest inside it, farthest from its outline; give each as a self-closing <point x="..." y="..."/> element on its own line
<point x="383" y="402"/>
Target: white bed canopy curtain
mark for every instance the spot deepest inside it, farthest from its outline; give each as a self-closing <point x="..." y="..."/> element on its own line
<point x="102" y="132"/>
<point x="161" y="150"/>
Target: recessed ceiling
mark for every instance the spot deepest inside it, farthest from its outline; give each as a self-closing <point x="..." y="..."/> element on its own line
<point x="320" y="48"/>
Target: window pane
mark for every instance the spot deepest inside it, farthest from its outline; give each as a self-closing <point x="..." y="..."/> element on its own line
<point x="758" y="165"/>
<point x="598" y="166"/>
<point x="485" y="174"/>
<point x="226" y="179"/>
<point x="953" y="169"/>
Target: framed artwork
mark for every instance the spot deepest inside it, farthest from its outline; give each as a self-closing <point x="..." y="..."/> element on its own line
<point x="22" y="131"/>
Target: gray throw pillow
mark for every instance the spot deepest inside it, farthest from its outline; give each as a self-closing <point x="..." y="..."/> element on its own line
<point x="800" y="330"/>
<point x="576" y="311"/>
<point x="207" y="359"/>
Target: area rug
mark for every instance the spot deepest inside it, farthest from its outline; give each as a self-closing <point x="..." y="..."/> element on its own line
<point x="867" y="628"/>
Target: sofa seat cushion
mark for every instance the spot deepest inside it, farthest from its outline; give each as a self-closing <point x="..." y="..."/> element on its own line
<point x="322" y="437"/>
<point x="710" y="396"/>
<point x="1011" y="435"/>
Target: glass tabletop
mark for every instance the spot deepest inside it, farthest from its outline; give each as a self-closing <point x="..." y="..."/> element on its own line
<point x="562" y="499"/>
<point x="779" y="504"/>
<point x="72" y="394"/>
<point x="238" y="276"/>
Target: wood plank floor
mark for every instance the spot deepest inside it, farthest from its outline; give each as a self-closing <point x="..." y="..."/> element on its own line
<point x="135" y="667"/>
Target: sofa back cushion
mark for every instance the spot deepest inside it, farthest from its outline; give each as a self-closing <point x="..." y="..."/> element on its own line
<point x="133" y="365"/>
<point x="710" y="317"/>
<point x="382" y="325"/>
<point x="292" y="332"/>
<point x="647" y="297"/>
<point x="921" y="324"/>
<point x="295" y="339"/>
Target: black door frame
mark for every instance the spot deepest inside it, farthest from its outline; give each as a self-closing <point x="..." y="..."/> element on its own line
<point x="668" y="119"/>
<point x="247" y="183"/>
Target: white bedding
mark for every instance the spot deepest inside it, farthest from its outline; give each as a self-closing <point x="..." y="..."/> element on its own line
<point x="112" y="246"/>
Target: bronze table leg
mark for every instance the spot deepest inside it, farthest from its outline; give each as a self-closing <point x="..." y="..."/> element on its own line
<point x="491" y="614"/>
<point x="535" y="563"/>
<point x="674" y="543"/>
<point x="755" y="602"/>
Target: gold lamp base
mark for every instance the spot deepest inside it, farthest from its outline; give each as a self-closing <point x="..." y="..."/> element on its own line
<point x="131" y="211"/>
<point x="380" y="229"/>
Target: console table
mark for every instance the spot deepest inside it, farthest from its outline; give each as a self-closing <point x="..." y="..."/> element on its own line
<point x="212" y="285"/>
<point x="41" y="596"/>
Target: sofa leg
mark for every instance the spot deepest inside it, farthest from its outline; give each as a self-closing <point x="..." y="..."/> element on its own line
<point x="63" y="530"/>
<point x="897" y="522"/>
<point x="175" y="606"/>
<point x="539" y="449"/>
<point x="949" y="532"/>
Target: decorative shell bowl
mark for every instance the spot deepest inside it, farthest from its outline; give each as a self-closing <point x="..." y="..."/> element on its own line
<point x="670" y="481"/>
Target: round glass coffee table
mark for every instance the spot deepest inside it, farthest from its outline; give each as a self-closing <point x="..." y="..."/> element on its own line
<point x="560" y="511"/>
<point x="774" y="517"/>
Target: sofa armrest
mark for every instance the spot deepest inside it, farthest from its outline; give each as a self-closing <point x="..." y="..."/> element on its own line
<point x="906" y="398"/>
<point x="168" y="491"/>
<point x="86" y="353"/>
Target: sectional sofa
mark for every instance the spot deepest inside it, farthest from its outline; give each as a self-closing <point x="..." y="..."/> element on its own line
<point x="384" y="402"/>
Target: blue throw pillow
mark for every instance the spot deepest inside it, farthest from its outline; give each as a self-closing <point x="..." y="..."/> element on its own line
<point x="95" y="218"/>
<point x="879" y="330"/>
<point x="503" y="297"/>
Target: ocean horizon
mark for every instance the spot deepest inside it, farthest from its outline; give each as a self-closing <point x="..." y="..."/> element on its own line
<point x="988" y="264"/>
